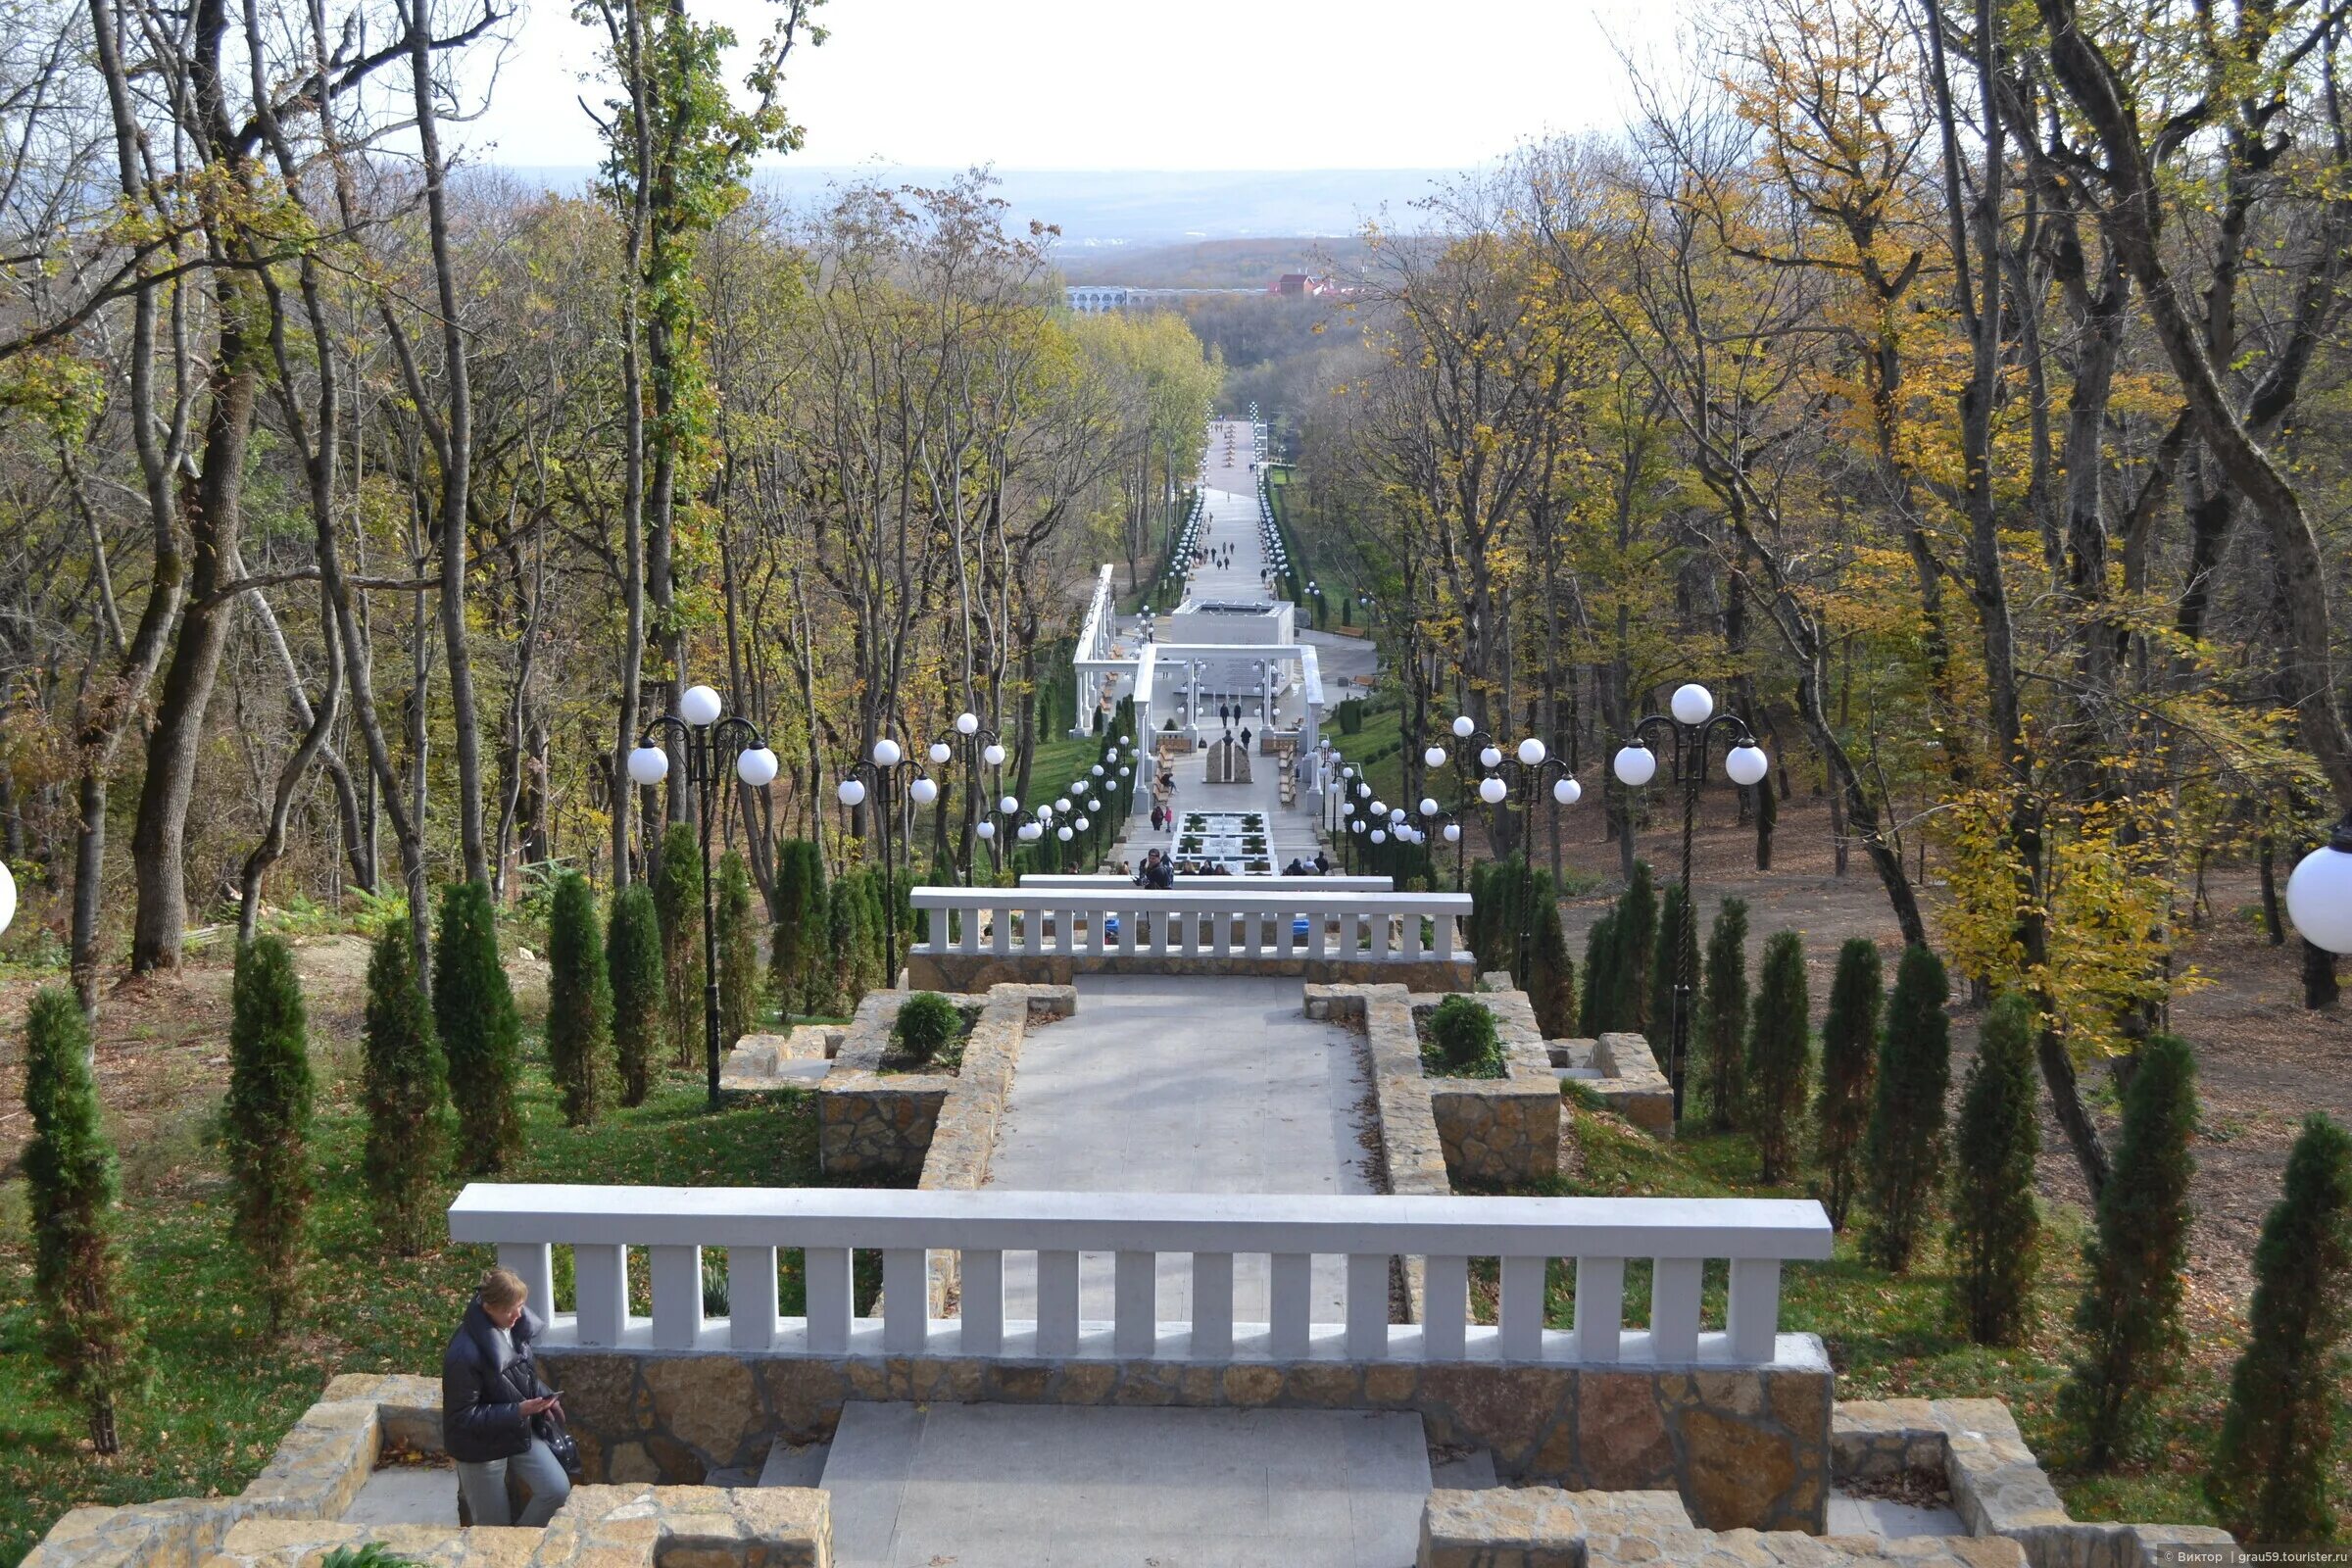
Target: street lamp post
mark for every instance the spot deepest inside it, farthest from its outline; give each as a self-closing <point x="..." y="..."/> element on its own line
<point x="1528" y="767"/>
<point x="1693" y="723"/>
<point x="889" y="759"/>
<point x="981" y="745"/>
<point x="706" y="739"/>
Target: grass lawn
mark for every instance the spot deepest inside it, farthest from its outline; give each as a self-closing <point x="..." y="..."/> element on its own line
<point x="224" y="1389"/>
<point x="1892" y="1336"/>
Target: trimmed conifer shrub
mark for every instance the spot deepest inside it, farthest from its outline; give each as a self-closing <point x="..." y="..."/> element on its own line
<point x="1636" y="936"/>
<point x="633" y="964"/>
<point x="1778" y="1055"/>
<point x="481" y="1039"/>
<point x="678" y="897"/>
<point x="852" y="961"/>
<point x="72" y="1184"/>
<point x="1552" y="988"/>
<point x="799" y="931"/>
<point x="1903" y="1153"/>
<point x="268" y="1123"/>
<point x="927" y="1022"/>
<point x="2128" y="1320"/>
<point x="1600" y="961"/>
<point x="1678" y="940"/>
<point x="2269" y="1480"/>
<point x="403" y="1084"/>
<point x="1849" y="1060"/>
<point x="1462" y="1029"/>
<point x="1996" y="1230"/>
<point x="1721" y="1035"/>
<point x="579" y="1001"/>
<point x="738" y="953"/>
<point x="1481" y="934"/>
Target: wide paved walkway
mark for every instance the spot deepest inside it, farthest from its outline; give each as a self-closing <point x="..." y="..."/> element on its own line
<point x="1183" y="1084"/>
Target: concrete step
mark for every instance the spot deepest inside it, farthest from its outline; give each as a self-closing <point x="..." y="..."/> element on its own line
<point x="995" y="1486"/>
<point x="795" y="1464"/>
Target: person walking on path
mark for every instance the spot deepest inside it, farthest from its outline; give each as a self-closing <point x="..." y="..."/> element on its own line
<point x="495" y="1412"/>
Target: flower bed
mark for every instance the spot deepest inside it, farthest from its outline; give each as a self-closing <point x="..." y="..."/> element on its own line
<point x="1238" y="842"/>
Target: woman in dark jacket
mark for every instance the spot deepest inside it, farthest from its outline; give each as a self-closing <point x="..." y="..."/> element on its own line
<point x="491" y="1399"/>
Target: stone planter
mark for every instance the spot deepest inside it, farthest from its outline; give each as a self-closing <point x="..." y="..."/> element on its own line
<point x="1499" y="1132"/>
<point x="888" y="1125"/>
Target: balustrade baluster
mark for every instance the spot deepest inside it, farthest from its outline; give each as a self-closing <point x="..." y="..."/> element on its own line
<point x="1754" y="1314"/>
<point x="1599" y="1307"/>
<point x="1444" y="1309"/>
<point x="1522" y="1309"/>
<point x="678" y="1278"/>
<point x="832" y="1299"/>
<point x="600" y="1285"/>
<point x="906" y="1304"/>
<point x="1213" y="1305"/>
<point x="1676" y="1286"/>
<point x="1135" y="1305"/>
<point x="1289" y="1299"/>
<point x="1368" y="1305"/>
<point x="1057" y="1303"/>
<point x="983" y="1303"/>
<point x="751" y="1298"/>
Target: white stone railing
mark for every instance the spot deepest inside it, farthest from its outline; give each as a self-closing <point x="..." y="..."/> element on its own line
<point x="1056" y="881"/>
<point x="1202" y="917"/>
<point x="604" y="1225"/>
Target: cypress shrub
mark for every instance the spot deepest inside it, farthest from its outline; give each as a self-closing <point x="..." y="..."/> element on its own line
<point x="927" y="1022"/>
<point x="403" y="1084"/>
<point x="1637" y="935"/>
<point x="1723" y="1015"/>
<point x="1678" y="938"/>
<point x="268" y="1124"/>
<point x="678" y="898"/>
<point x="1462" y="1029"/>
<point x="633" y="964"/>
<point x="2128" y="1320"/>
<point x="2270" y="1478"/>
<point x="72" y="1187"/>
<point x="1903" y="1152"/>
<point x="481" y="1039"/>
<point x="1552" y="988"/>
<point x="853" y="948"/>
<point x="1778" y="1054"/>
<point x="579" y="1001"/>
<point x="738" y="953"/>
<point x="1600" y="961"/>
<point x="1849" y="1057"/>
<point x="800" y="930"/>
<point x="1482" y="911"/>
<point x="1996" y="1231"/>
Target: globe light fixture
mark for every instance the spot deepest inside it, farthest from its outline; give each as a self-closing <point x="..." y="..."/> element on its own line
<point x="940" y="752"/>
<point x="649" y="765"/>
<point x="1380" y="836"/>
<point x="1008" y="806"/>
<point x="986" y="830"/>
<point x="1380" y="807"/>
<point x="1363" y="792"/>
<point x="1492" y="757"/>
<point x="887" y="753"/>
<point x="1531" y="752"/>
<point x="1491" y="790"/>
<point x="698" y="705"/>
<point x="1063" y="834"/>
<point x="8" y="896"/>
<point x="993" y="754"/>
<point x="1692" y="703"/>
<point x="1634" y="765"/>
<point x="1746" y="764"/>
<point x="852" y="792"/>
<point x="1082" y="825"/>
<point x="924" y="790"/>
<point x="757" y="768"/>
<point x="1567" y="791"/>
<point x="1062" y="804"/>
<point x="1453" y="832"/>
<point x="1462" y="728"/>
<point x="1434" y="757"/>
<point x="1429" y="806"/>
<point x="967" y="723"/>
<point x="2319" y="893"/>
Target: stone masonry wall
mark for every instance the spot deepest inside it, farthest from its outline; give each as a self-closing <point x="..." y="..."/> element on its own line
<point x="1742" y="1447"/>
<point x="1499" y="1131"/>
<point x="1542" y="1527"/>
<point x="1998" y="1484"/>
<point x="890" y="1125"/>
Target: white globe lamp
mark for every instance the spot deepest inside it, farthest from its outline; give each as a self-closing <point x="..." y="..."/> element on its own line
<point x="1008" y="805"/>
<point x="649" y="765"/>
<point x="967" y="723"/>
<point x="924" y="791"/>
<point x="987" y="830"/>
<point x="1434" y="757"/>
<point x="1692" y="703"/>
<point x="757" y="768"/>
<point x="852" y="792"/>
<point x="1531" y="751"/>
<point x="1634" y="765"/>
<point x="1063" y="834"/>
<point x="1379" y="836"/>
<point x="1491" y="790"/>
<point x="1567" y="791"/>
<point x="993" y="754"/>
<point x="1746" y="764"/>
<point x="1453" y="832"/>
<point x="1429" y="806"/>
<point x="698" y="705"/>
<point x="2319" y="895"/>
<point x="1492" y="757"/>
<point x="1462" y="726"/>
<point x="887" y="753"/>
<point x="940" y="752"/>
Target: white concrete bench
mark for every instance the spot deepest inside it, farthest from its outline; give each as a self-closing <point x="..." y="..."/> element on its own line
<point x="602" y="1225"/>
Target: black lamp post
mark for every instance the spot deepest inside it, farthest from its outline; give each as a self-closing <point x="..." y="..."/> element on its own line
<point x="1694" y="731"/>
<point x="981" y="746"/>
<point x="707" y="741"/>
<point x="1473" y="753"/>
<point x="1528" y="767"/>
<point x="888" y="761"/>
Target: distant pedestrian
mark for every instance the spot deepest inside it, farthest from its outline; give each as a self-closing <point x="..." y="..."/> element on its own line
<point x="1245" y="737"/>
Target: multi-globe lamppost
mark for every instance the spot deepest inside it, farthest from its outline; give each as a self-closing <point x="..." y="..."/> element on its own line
<point x="887" y="761"/>
<point x="981" y="746"/>
<point x="1693" y="723"/>
<point x="705" y="738"/>
<point x="1528" y="767"/>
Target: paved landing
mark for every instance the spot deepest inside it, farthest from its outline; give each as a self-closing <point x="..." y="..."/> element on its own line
<point x="1182" y="1083"/>
<point x="980" y="1485"/>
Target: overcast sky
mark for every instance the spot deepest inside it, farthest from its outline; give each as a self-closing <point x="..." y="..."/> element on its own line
<point x="1121" y="85"/>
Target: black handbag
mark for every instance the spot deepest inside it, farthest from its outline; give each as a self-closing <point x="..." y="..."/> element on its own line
<point x="560" y="1442"/>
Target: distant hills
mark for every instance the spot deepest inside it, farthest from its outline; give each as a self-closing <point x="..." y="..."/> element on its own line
<point x="1099" y="209"/>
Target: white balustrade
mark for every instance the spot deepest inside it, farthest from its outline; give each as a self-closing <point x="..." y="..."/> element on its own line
<point x="1198" y="920"/>
<point x="604" y="1226"/>
<point x="1089" y="883"/>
